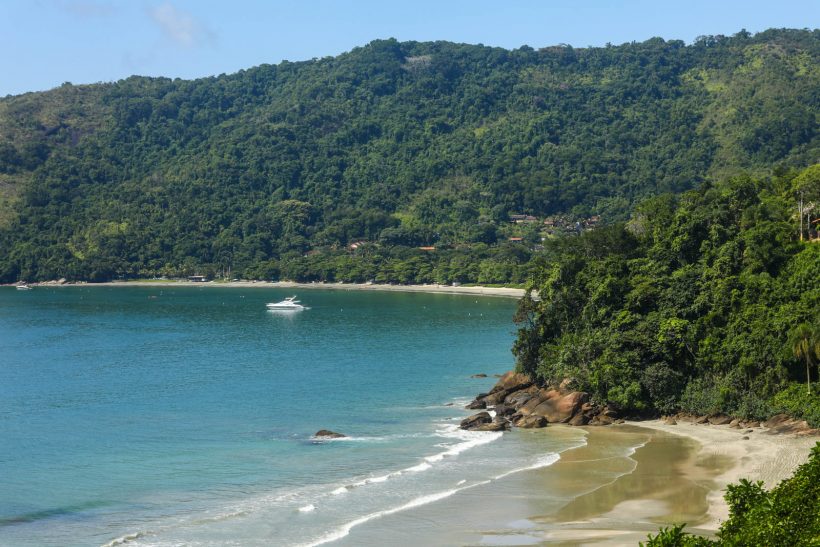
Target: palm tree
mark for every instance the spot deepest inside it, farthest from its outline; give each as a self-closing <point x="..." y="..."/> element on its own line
<point x="805" y="344"/>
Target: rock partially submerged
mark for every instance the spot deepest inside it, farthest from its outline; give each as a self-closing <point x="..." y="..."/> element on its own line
<point x="476" y="420"/>
<point x="327" y="434"/>
<point x="518" y="401"/>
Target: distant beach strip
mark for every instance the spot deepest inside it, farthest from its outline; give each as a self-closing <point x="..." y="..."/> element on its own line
<point x="508" y="292"/>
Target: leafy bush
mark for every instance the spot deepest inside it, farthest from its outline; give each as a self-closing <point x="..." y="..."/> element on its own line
<point x="674" y="537"/>
<point x="701" y="396"/>
<point x="795" y="401"/>
<point x="787" y="515"/>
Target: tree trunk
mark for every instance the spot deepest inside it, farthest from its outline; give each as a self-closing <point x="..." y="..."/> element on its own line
<point x="808" y="378"/>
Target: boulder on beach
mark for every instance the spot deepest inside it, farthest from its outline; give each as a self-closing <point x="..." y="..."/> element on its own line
<point x="719" y="419"/>
<point x="495" y="425"/>
<point x="531" y="422"/>
<point x="783" y="423"/>
<point x="327" y="434"/>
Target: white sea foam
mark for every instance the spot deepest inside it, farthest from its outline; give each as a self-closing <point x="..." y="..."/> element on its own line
<point x="344" y="530"/>
<point x="471" y="439"/>
<point x="339" y="491"/>
<point x="420" y="467"/>
<point x="122" y="540"/>
<point x="543" y="461"/>
<point x="307" y="508"/>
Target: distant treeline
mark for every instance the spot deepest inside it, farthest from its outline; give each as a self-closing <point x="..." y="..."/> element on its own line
<point x="275" y="171"/>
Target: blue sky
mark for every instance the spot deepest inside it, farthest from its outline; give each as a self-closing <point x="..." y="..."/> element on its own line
<point x="48" y="42"/>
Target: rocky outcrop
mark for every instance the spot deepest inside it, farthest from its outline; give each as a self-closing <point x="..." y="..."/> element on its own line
<point x="327" y="434"/>
<point x="531" y="422"/>
<point x="518" y="401"/>
<point x="498" y="424"/>
<point x="783" y="423"/>
<point x="719" y="419"/>
<point x="476" y="420"/>
<point x="516" y="398"/>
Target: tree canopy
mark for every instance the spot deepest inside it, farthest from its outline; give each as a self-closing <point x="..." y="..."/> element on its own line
<point x="275" y="170"/>
<point x="704" y="302"/>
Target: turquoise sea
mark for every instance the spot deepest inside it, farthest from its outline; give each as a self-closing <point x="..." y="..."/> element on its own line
<point x="183" y="415"/>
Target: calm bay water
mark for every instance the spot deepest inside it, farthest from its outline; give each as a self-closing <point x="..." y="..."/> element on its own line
<point x="183" y="415"/>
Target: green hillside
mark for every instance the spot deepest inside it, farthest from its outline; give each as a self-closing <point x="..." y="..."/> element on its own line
<point x="274" y="171"/>
<point x="705" y="302"/>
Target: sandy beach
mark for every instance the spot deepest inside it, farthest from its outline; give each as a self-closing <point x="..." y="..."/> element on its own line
<point x="628" y="481"/>
<point x="754" y="454"/>
<point x="506" y="292"/>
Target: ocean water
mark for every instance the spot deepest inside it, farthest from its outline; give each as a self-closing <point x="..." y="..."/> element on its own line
<point x="184" y="415"/>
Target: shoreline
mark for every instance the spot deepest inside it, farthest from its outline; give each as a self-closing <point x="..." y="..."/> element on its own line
<point x="754" y="454"/>
<point x="505" y="292"/>
<point x="674" y="475"/>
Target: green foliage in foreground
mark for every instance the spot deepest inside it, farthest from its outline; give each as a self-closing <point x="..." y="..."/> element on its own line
<point x="691" y="305"/>
<point x="273" y="171"/>
<point x="787" y="515"/>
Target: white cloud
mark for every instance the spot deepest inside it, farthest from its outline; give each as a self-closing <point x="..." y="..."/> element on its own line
<point x="180" y="27"/>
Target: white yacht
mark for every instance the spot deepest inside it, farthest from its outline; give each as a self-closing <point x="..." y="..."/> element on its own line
<point x="289" y="304"/>
<point x="23" y="287"/>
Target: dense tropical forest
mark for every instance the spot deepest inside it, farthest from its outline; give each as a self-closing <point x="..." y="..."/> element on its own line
<point x="396" y="162"/>
<point x="704" y="302"/>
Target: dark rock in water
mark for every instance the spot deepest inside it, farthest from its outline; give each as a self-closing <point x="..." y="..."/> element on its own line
<point x="476" y="420"/>
<point x="448" y="404"/>
<point x="497" y="375"/>
<point x="327" y="434"/>
<point x="720" y="419"/>
<point x="481" y="375"/>
<point x="745" y="438"/>
<point x="477" y="404"/>
<point x="531" y="422"/>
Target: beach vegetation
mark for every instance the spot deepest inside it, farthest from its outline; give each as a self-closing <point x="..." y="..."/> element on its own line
<point x="702" y="302"/>
<point x="789" y="514"/>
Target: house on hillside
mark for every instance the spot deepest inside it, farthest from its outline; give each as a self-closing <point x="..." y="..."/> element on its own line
<point x="523" y="219"/>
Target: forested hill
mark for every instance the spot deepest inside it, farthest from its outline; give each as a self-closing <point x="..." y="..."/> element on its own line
<point x="276" y="170"/>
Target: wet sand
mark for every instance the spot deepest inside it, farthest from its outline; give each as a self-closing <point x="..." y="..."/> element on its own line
<point x="625" y="483"/>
